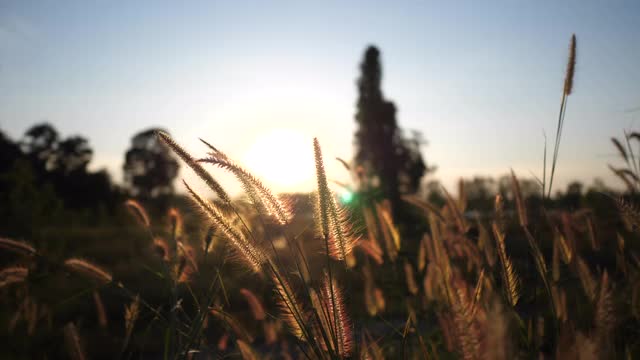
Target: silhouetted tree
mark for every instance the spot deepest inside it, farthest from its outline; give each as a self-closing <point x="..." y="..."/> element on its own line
<point x="40" y="143"/>
<point x="9" y="152"/>
<point x="572" y="198"/>
<point x="395" y="161"/>
<point x="28" y="204"/>
<point x="480" y="192"/>
<point x="150" y="166"/>
<point x="72" y="154"/>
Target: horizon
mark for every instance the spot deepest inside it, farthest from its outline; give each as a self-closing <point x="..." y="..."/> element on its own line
<point x="223" y="69"/>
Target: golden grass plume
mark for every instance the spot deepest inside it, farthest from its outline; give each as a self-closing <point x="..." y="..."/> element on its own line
<point x="291" y="310"/>
<point x="246" y="351"/>
<point x="18" y="247"/>
<point x="587" y="280"/>
<point x="331" y="296"/>
<point x="509" y="277"/>
<point x="73" y="343"/>
<point x="138" y="212"/>
<point x="410" y="278"/>
<point x="250" y="252"/>
<point x="89" y="270"/>
<point x="571" y="66"/>
<point x="13" y="275"/>
<point x="334" y="225"/>
<point x="100" y="310"/>
<point x="195" y="166"/>
<point x="260" y="195"/>
<point x="254" y="304"/>
<point x="240" y="331"/>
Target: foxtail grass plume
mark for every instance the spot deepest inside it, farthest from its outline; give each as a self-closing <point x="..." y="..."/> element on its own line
<point x="372" y="249"/>
<point x="138" y="212"/>
<point x="13" y="275"/>
<point x="323" y="328"/>
<point x="89" y="270"/>
<point x="499" y="213"/>
<point x="629" y="213"/>
<point x="520" y="205"/>
<point x="605" y="320"/>
<point x="628" y="177"/>
<point x="260" y="195"/>
<point x="422" y="253"/>
<point x="563" y="246"/>
<point x="589" y="284"/>
<point x="290" y="308"/>
<point x="560" y="302"/>
<point x="331" y="296"/>
<point x="509" y="277"/>
<point x="73" y="343"/>
<point x="369" y="291"/>
<point x="17" y="247"/>
<point x="378" y="295"/>
<point x="571" y="66"/>
<point x="477" y="294"/>
<point x="233" y="323"/>
<point x="371" y="225"/>
<point x="466" y="328"/>
<point x="131" y="313"/>
<point x="254" y="304"/>
<point x="100" y="311"/>
<point x="389" y="230"/>
<point x="208" y="238"/>
<point x="425" y="206"/>
<point x="186" y="266"/>
<point x="369" y="348"/>
<point x="195" y="166"/>
<point x="566" y="91"/>
<point x="555" y="262"/>
<point x="456" y="211"/>
<point x="253" y="256"/>
<point x="620" y="149"/>
<point x="333" y="223"/>
<point x="175" y="220"/>
<point x="485" y="243"/>
<point x="161" y="248"/>
<point x="270" y="329"/>
<point x="593" y="240"/>
<point x="246" y="351"/>
<point x="410" y="278"/>
<point x="223" y="342"/>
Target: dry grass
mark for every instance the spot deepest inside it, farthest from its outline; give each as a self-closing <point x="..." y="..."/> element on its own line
<point x="484" y="280"/>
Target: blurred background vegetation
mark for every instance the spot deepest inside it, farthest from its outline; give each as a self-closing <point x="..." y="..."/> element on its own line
<point x="51" y="200"/>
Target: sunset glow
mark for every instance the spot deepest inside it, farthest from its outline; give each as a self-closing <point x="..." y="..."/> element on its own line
<point x="283" y="158"/>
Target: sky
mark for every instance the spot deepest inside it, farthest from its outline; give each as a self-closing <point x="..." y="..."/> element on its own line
<point x="481" y="80"/>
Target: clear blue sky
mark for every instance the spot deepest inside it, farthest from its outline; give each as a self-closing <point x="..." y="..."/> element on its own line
<point x="481" y="80"/>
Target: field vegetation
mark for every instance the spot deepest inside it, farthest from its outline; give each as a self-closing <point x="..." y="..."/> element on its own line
<point x="488" y="272"/>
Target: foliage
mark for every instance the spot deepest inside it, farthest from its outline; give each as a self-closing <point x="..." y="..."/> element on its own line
<point x="382" y="149"/>
<point x="490" y="296"/>
<point x="44" y="182"/>
<point x="499" y="274"/>
<point x="150" y="167"/>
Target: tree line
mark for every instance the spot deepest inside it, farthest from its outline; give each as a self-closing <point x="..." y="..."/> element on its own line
<point x="45" y="180"/>
<point x="44" y="177"/>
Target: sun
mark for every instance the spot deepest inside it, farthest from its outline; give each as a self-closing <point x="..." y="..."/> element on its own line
<point x="283" y="158"/>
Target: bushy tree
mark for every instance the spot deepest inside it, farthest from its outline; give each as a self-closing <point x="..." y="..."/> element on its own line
<point x="40" y="143"/>
<point x="73" y="154"/>
<point x="150" y="167"/>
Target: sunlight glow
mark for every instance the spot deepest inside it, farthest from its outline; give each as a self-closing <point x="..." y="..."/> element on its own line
<point x="283" y="158"/>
